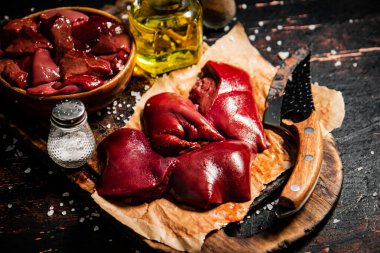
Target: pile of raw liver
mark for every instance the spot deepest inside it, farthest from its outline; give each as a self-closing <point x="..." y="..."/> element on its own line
<point x="197" y="150"/>
<point x="62" y="52"/>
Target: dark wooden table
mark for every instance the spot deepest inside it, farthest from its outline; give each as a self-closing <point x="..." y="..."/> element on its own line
<point x="345" y="40"/>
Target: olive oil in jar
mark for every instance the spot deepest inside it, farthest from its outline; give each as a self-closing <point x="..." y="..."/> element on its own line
<point x="168" y="34"/>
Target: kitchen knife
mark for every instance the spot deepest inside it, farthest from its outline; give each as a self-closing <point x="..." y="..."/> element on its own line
<point x="290" y="97"/>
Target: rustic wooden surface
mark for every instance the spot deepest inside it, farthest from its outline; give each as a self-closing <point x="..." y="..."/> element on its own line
<point x="345" y="39"/>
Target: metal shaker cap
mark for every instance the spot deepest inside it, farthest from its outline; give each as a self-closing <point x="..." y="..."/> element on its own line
<point x="68" y="113"/>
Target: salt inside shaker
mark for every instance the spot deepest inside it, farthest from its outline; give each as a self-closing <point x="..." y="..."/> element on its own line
<point x="71" y="141"/>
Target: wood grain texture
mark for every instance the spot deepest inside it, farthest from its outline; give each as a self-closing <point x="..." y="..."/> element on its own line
<point x="344" y="40"/>
<point x="308" y="165"/>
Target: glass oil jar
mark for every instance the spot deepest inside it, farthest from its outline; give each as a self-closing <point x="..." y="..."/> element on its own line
<point x="168" y="34"/>
<point x="71" y="141"/>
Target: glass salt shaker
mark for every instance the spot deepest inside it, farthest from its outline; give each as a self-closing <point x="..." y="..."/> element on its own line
<point x="71" y="141"/>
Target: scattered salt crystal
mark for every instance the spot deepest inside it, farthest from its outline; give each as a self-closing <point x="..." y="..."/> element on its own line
<point x="336" y="221"/>
<point x="256" y="31"/>
<point x="374" y="194"/>
<point x="265" y="207"/>
<point x="108" y="107"/>
<point x="65" y="194"/>
<point x="9" y="205"/>
<point x="128" y="7"/>
<point x="282" y="2"/>
<point x="146" y="87"/>
<point x="51" y="207"/>
<point x="71" y="202"/>
<point x="15" y="140"/>
<point x="234" y="18"/>
<point x="63" y="212"/>
<point x="28" y="170"/>
<point x="90" y="218"/>
<point x="351" y="21"/>
<point x="372" y="152"/>
<point x="99" y="113"/>
<point x="241" y="222"/>
<point x="280" y="27"/>
<point x="360" y="168"/>
<point x="338" y="63"/>
<point x="312" y="27"/>
<point x="61" y="204"/>
<point x="355" y="64"/>
<point x="120" y="105"/>
<point x="50" y="212"/>
<point x="108" y="112"/>
<point x="121" y="115"/>
<point x="204" y="37"/>
<point x="50" y="172"/>
<point x="124" y="102"/>
<point x="269" y="49"/>
<point x="124" y="16"/>
<point x="283" y="55"/>
<point x="270" y="207"/>
<point x="279" y="42"/>
<point x="333" y="51"/>
<point x="226" y="28"/>
<point x="6" y="17"/>
<point x="96" y="228"/>
<point x="81" y="220"/>
<point x="9" y="148"/>
<point x="110" y="240"/>
<point x="261" y="23"/>
<point x="257" y="211"/>
<point x="252" y="37"/>
<point x="95" y="214"/>
<point x="316" y="83"/>
<point x="72" y="209"/>
<point x="86" y="208"/>
<point x="4" y="136"/>
<point x="108" y="126"/>
<point x="115" y="102"/>
<point x="128" y="105"/>
<point x="87" y="216"/>
<point x="32" y="9"/>
<point x="243" y="6"/>
<point x="117" y="118"/>
<point x="10" y="187"/>
<point x="125" y="121"/>
<point x="267" y="38"/>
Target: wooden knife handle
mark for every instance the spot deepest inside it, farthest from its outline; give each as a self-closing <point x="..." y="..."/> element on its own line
<point x="307" y="168"/>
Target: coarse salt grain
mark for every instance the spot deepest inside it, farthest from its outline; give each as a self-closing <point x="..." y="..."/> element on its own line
<point x="32" y="9"/>
<point x="9" y="148"/>
<point x="61" y="204"/>
<point x="65" y="194"/>
<point x="226" y="28"/>
<point x="50" y="172"/>
<point x="9" y="205"/>
<point x="146" y="87"/>
<point x="374" y="194"/>
<point x="10" y="187"/>
<point x="115" y="102"/>
<point x="71" y="202"/>
<point x="117" y="118"/>
<point x="270" y="207"/>
<point x="50" y="212"/>
<point x="312" y="27"/>
<point x="51" y="207"/>
<point x="96" y="228"/>
<point x="108" y="126"/>
<point x="81" y="220"/>
<point x="63" y="212"/>
<point x="95" y="214"/>
<point x="351" y="21"/>
<point x="355" y="64"/>
<point x="6" y="17"/>
<point x="28" y="170"/>
<point x="72" y="209"/>
<point x="333" y="52"/>
<point x="99" y="113"/>
<point x="256" y="31"/>
<point x="372" y="152"/>
<point x="252" y="37"/>
<point x="269" y="49"/>
<point x="244" y="6"/>
<point x="283" y="55"/>
<point x="86" y="208"/>
<point x="257" y="211"/>
<point x="279" y="42"/>
<point x="338" y="64"/>
<point x="234" y="18"/>
<point x="120" y="105"/>
<point x="360" y="168"/>
<point x="280" y="27"/>
<point x="261" y="23"/>
<point x="336" y="221"/>
<point x="267" y="38"/>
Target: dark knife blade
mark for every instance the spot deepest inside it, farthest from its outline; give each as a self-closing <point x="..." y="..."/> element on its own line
<point x="290" y="97"/>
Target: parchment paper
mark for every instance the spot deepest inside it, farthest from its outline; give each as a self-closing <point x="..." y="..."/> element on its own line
<point x="185" y="230"/>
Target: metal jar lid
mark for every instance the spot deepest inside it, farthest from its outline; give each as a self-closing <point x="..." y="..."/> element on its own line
<point x="68" y="113"/>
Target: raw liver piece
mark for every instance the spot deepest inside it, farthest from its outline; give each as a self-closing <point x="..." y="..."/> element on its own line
<point x="133" y="171"/>
<point x="62" y="36"/>
<point x="44" y="70"/>
<point x="84" y="81"/>
<point x="216" y="173"/>
<point x="173" y="124"/>
<point x="13" y="27"/>
<point x="224" y="96"/>
<point x="74" y="17"/>
<point x="11" y="72"/>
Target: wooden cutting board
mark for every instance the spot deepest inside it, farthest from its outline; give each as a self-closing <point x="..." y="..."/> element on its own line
<point x="283" y="234"/>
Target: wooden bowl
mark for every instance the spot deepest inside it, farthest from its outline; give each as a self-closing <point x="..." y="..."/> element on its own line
<point x="94" y="100"/>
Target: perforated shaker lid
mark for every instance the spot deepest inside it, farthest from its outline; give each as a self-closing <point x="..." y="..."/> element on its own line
<point x="69" y="113"/>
